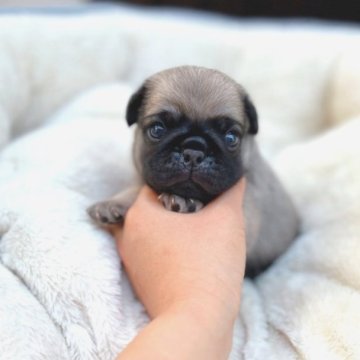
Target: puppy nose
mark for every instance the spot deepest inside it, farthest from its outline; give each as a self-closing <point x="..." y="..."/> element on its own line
<point x="193" y="157"/>
<point x="194" y="148"/>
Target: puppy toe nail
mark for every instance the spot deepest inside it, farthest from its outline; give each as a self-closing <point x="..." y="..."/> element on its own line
<point x="115" y="213"/>
<point x="163" y="199"/>
<point x="118" y="217"/>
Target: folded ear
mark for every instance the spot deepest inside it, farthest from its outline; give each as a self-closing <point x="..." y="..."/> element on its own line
<point x="251" y="114"/>
<point x="134" y="105"/>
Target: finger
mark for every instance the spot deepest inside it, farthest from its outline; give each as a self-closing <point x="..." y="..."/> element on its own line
<point x="233" y="197"/>
<point x="146" y="206"/>
<point x="148" y="201"/>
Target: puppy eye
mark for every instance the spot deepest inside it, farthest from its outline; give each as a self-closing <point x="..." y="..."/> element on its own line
<point x="156" y="131"/>
<point x="232" y="139"/>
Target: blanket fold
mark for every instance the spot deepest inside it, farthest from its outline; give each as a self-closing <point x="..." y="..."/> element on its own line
<point x="64" y="84"/>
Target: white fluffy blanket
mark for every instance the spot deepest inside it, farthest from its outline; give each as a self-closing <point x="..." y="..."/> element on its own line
<point x="63" y="294"/>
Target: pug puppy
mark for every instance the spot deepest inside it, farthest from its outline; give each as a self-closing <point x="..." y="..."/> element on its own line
<point x="195" y="138"/>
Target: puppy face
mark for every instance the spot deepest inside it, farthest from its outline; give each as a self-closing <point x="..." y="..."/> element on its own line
<point x="191" y="125"/>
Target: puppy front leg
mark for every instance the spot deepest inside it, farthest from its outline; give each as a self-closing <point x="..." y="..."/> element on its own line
<point x="179" y="204"/>
<point x="113" y="211"/>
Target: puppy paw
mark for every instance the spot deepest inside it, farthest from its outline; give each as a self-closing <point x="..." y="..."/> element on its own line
<point x="179" y="204"/>
<point x="107" y="212"/>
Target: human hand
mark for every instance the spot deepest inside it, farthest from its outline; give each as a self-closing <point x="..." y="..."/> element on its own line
<point x="193" y="259"/>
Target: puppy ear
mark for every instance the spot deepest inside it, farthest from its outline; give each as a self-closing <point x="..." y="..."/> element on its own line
<point x="134" y="105"/>
<point x="251" y="114"/>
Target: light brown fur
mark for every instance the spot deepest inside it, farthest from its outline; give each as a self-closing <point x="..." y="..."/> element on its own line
<point x="196" y="92"/>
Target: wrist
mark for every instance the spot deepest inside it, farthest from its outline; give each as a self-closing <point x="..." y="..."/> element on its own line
<point x="209" y="315"/>
<point x="184" y="331"/>
<point x="206" y="324"/>
<point x="209" y="307"/>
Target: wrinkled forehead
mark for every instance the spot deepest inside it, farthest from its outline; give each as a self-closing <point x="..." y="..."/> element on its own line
<point x="197" y="97"/>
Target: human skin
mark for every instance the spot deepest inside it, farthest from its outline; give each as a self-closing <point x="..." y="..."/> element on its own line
<point x="187" y="270"/>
